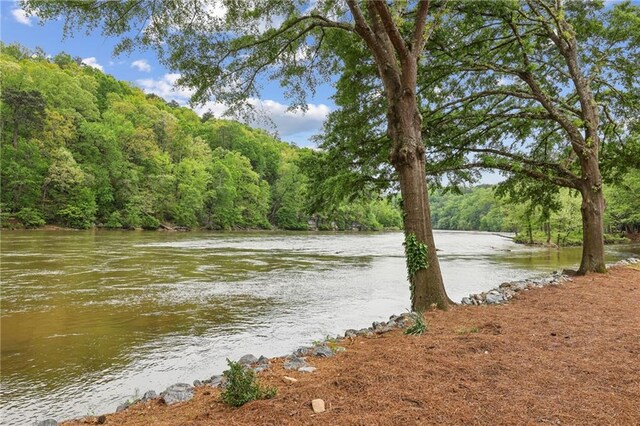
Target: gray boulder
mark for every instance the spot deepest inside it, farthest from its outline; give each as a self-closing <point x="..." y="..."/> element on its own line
<point x="294" y="363"/>
<point x="216" y="381"/>
<point x="177" y="393"/>
<point x="263" y="360"/>
<point x="260" y="368"/>
<point x="494" y="298"/>
<point x="303" y="351"/>
<point x="149" y="395"/>
<point x="351" y="333"/>
<point x="123" y="406"/>
<point x="48" y="422"/>
<point x="248" y="360"/>
<point x="322" y="352"/>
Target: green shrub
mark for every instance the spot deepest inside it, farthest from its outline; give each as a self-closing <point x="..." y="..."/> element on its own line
<point x="77" y="216"/>
<point x="149" y="222"/>
<point x="7" y="220"/>
<point x="242" y="386"/>
<point x="30" y="218"/>
<point x="115" y="221"/>
<point x="419" y="326"/>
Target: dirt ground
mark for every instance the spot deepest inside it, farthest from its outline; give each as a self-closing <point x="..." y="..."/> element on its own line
<point x="565" y="355"/>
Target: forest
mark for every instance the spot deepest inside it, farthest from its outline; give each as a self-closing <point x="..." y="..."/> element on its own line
<point x="488" y="208"/>
<point x="81" y="149"/>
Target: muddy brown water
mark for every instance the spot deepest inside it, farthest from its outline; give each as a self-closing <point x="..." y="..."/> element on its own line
<point x="93" y="318"/>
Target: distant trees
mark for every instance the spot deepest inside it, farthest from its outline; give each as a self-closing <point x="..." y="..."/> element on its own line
<point x="106" y="154"/>
<point x="555" y="221"/>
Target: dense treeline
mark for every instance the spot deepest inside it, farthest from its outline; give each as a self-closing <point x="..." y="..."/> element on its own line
<point x="487" y="208"/>
<point x="80" y="148"/>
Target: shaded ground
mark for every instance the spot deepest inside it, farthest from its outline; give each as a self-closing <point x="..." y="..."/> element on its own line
<point x="556" y="355"/>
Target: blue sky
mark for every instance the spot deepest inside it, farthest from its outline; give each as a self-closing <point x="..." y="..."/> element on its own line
<point x="142" y="69"/>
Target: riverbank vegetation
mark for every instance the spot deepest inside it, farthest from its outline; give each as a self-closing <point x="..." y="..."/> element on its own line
<point x="80" y="148"/>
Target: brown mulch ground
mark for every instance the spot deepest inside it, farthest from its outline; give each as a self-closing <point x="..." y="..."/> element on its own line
<point x="556" y="355"/>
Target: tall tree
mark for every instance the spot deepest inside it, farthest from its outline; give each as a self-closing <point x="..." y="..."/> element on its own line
<point x="23" y="109"/>
<point x="222" y="47"/>
<point x="547" y="89"/>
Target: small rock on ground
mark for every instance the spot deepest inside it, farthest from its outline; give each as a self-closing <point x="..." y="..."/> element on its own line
<point x="48" y="422"/>
<point x="307" y="369"/>
<point x="318" y="406"/>
<point x="289" y="380"/>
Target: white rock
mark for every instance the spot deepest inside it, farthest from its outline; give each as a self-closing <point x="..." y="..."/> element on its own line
<point x="318" y="406"/>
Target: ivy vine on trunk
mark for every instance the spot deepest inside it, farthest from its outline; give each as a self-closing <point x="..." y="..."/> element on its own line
<point x="416" y="254"/>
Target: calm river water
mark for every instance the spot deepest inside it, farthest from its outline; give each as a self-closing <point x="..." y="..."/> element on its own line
<point x="93" y="318"/>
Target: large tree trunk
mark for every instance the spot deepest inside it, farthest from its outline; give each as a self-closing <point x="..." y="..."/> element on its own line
<point x="592" y="210"/>
<point x="407" y="156"/>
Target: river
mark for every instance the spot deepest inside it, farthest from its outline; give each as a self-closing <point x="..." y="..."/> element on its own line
<point x="93" y="318"/>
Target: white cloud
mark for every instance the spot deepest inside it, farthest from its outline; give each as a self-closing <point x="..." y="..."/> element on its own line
<point x="216" y="9"/>
<point x="21" y="16"/>
<point x="166" y="88"/>
<point x="141" y="65"/>
<point x="92" y="62"/>
<point x="287" y="123"/>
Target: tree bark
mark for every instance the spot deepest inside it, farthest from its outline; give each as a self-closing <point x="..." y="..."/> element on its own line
<point x="408" y="159"/>
<point x="592" y="211"/>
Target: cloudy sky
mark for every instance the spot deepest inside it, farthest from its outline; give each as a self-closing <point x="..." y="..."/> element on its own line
<point x="143" y="70"/>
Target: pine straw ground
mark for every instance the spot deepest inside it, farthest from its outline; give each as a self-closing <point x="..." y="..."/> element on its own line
<point x="557" y="355"/>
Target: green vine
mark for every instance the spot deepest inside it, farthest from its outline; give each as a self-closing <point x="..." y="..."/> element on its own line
<point x="416" y="254"/>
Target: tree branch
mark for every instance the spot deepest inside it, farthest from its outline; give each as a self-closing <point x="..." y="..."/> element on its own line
<point x="391" y="29"/>
<point x="418" y="39"/>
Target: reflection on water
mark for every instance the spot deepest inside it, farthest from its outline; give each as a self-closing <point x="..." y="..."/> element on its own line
<point x="90" y="318"/>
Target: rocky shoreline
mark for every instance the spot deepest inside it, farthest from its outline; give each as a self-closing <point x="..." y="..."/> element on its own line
<point x="298" y="360"/>
<point x="506" y="291"/>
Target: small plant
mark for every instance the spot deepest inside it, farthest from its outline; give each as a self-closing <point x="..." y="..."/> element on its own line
<point x="419" y="326"/>
<point x="242" y="386"/>
<point x="330" y="342"/>
<point x="467" y="330"/>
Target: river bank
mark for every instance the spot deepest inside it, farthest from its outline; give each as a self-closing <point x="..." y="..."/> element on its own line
<point x="563" y="354"/>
